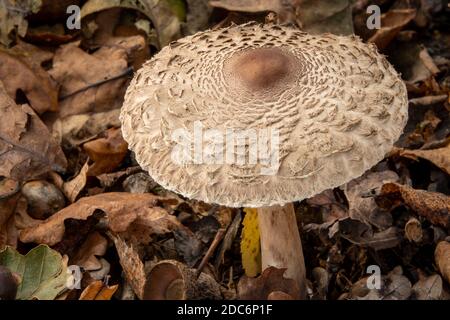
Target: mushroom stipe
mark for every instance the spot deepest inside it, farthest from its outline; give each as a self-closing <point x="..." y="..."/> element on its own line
<point x="336" y="105"/>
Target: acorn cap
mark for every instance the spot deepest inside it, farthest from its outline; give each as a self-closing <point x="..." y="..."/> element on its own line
<point x="258" y="115"/>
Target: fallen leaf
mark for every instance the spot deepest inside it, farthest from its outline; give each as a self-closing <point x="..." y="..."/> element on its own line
<point x="322" y="16"/>
<point x="433" y="206"/>
<point x="77" y="129"/>
<point x="283" y="8"/>
<point x="250" y="244"/>
<point x="20" y="70"/>
<point x="87" y="255"/>
<point x="394" y="286"/>
<point x="107" y="153"/>
<point x="7" y="222"/>
<point x="429" y="288"/>
<point x="123" y="210"/>
<point x="197" y="16"/>
<point x="439" y="157"/>
<point x="98" y="290"/>
<point x="313" y="16"/>
<point x="132" y="265"/>
<point x="360" y="195"/>
<point x="362" y="234"/>
<point x="15" y="19"/>
<point x="442" y="258"/>
<point x="330" y="207"/>
<point x="26" y="147"/>
<point x="270" y="280"/>
<point x="43" y="272"/>
<point x="73" y="187"/>
<point x="88" y="84"/>
<point x="392" y="23"/>
<point x="164" y="18"/>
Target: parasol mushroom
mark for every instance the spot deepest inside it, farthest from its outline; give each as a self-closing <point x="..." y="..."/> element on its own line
<point x="331" y="106"/>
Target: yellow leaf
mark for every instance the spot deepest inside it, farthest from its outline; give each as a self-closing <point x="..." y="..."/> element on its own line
<point x="250" y="244"/>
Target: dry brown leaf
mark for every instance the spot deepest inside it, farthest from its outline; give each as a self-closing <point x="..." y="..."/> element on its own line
<point x="107" y="153"/>
<point x="97" y="290"/>
<point x="358" y="192"/>
<point x="433" y="206"/>
<point x="90" y="83"/>
<point x="330" y="207"/>
<point x="20" y="69"/>
<point x="27" y="149"/>
<point x="73" y="187"/>
<point x="392" y="23"/>
<point x="94" y="246"/>
<point x="442" y="258"/>
<point x="440" y="157"/>
<point x="139" y="212"/>
<point x="7" y="222"/>
<point x="428" y="288"/>
<point x="312" y="16"/>
<point x="270" y="280"/>
<point x="132" y="265"/>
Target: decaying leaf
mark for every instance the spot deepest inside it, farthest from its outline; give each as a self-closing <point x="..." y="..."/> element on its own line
<point x="87" y="83"/>
<point x="322" y="16"/>
<point x="123" y="210"/>
<point x="78" y="129"/>
<point x="428" y="288"/>
<point x="442" y="258"/>
<point x="20" y="70"/>
<point x="440" y="157"/>
<point x="12" y="19"/>
<point x="433" y="206"/>
<point x="313" y="16"/>
<point x="162" y="15"/>
<point x="360" y="192"/>
<point x="107" y="152"/>
<point x="250" y="244"/>
<point x="26" y="147"/>
<point x="270" y="280"/>
<point x="392" y="23"/>
<point x="98" y="290"/>
<point x="43" y="272"/>
<point x="87" y="256"/>
<point x="8" y="231"/>
<point x="132" y="265"/>
<point x="73" y="187"/>
<point x="394" y="286"/>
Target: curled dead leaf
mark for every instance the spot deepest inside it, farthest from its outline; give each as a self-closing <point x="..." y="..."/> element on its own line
<point x="392" y="23"/>
<point x="433" y="206"/>
<point x="123" y="210"/>
<point x="20" y="70"/>
<point x="107" y="152"/>
<point x="269" y="281"/>
<point x="27" y="149"/>
<point x="442" y="258"/>
<point x="98" y="290"/>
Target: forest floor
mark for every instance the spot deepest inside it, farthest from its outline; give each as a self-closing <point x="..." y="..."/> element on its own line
<point x="72" y="196"/>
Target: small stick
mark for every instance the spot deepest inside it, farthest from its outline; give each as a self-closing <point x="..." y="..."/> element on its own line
<point x="127" y="72"/>
<point x="219" y="236"/>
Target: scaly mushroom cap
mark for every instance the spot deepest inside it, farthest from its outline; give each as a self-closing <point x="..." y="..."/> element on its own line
<point x="335" y="104"/>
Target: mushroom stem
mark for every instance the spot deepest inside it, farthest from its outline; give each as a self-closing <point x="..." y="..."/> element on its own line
<point x="281" y="246"/>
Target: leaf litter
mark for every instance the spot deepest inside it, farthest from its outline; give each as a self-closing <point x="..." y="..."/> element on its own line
<point x="67" y="179"/>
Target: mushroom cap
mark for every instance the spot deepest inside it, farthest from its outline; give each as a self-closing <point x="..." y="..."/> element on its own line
<point x="334" y="103"/>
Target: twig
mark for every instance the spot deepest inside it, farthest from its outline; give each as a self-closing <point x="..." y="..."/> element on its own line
<point x="127" y="72"/>
<point x="428" y="100"/>
<point x="219" y="236"/>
